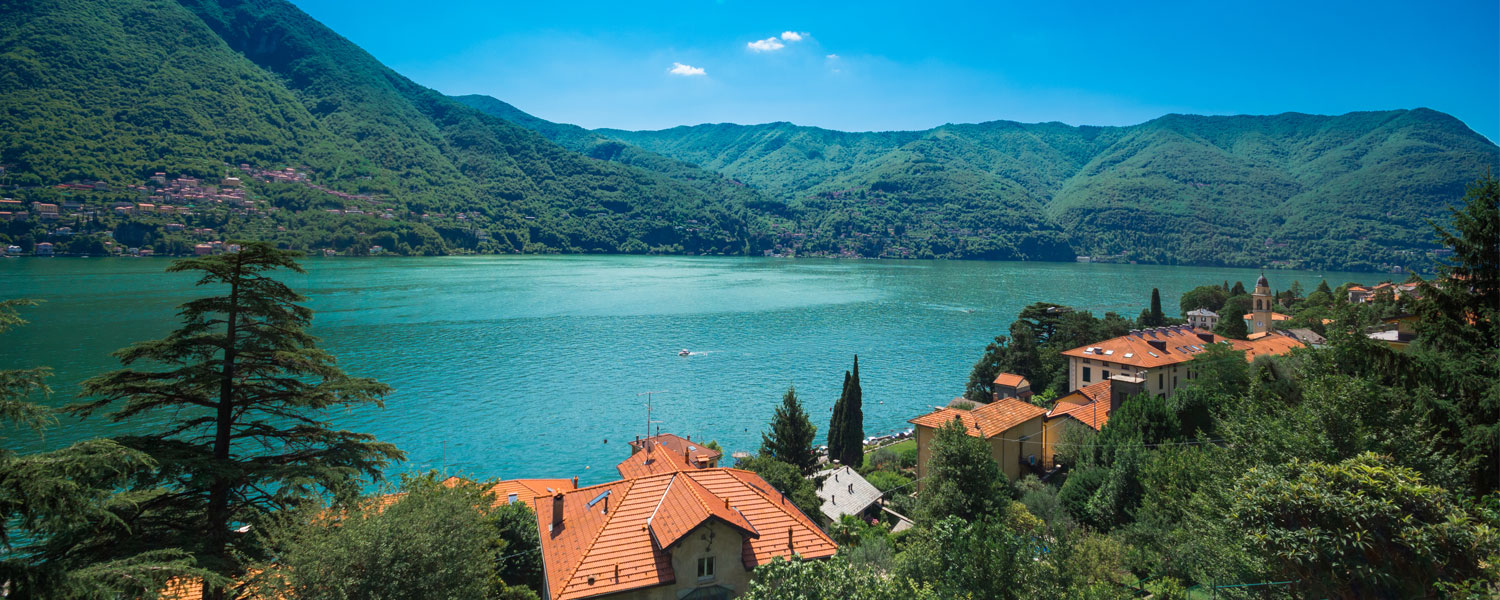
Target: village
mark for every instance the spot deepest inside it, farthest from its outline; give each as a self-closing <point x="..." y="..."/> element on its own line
<point x="679" y="523"/>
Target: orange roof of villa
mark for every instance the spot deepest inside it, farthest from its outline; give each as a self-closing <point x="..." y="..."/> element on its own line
<point x="526" y="489"/>
<point x="1275" y="316"/>
<point x="985" y="421"/>
<point x="697" y="454"/>
<point x="1090" y="405"/>
<point x="654" y="459"/>
<point x="1010" y="380"/>
<point x="615" y="537"/>
<point x="1179" y="344"/>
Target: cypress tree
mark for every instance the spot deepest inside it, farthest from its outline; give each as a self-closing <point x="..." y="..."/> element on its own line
<point x="235" y="396"/>
<point x="853" y="438"/>
<point x="1158" y="318"/>
<point x="791" y="436"/>
<point x="836" y="427"/>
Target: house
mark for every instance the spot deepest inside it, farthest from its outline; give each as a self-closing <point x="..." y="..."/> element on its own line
<point x="511" y="491"/>
<point x="1359" y="294"/>
<point x="45" y="211"/>
<point x="845" y="492"/>
<point x="1012" y="428"/>
<point x="1397" y="332"/>
<point x="1202" y="318"/>
<point x="1089" y="407"/>
<point x="44" y="249"/>
<point x="1307" y="336"/>
<point x="1010" y="385"/>
<point x="686" y="535"/>
<point x="695" y="452"/>
<point x="1160" y="356"/>
<point x="203" y="249"/>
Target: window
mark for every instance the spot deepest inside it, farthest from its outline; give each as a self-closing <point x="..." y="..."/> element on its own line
<point x="705" y="567"/>
<point x="1106" y="375"/>
<point x="510" y="499"/>
<point x="1087" y="374"/>
<point x="1161" y="380"/>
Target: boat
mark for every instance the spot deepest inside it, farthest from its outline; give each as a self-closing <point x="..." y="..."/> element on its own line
<point x="684" y="352"/>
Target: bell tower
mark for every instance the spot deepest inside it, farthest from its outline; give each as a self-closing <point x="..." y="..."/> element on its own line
<point x="1260" y="303"/>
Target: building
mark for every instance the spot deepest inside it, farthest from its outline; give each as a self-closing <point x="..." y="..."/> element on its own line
<point x="1012" y="428"/>
<point x="687" y="535"/>
<point x="1359" y="294"/>
<point x="1089" y="407"/>
<point x="1160" y="356"/>
<point x="1260" y="306"/>
<point x="845" y="492"/>
<point x="1010" y="385"/>
<point x="695" y="452"/>
<point x="46" y="211"/>
<point x="1202" y="318"/>
<point x="1276" y="320"/>
<point x="1397" y="332"/>
<point x="44" y="249"/>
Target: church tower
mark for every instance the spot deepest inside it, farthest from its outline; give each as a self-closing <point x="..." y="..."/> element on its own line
<point x="1260" y="303"/>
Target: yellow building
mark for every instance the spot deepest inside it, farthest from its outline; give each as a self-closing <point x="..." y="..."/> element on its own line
<point x="1260" y="307"/>
<point x="1160" y="357"/>
<point x="1012" y="428"/>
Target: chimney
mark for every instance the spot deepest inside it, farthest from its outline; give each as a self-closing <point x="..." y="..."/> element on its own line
<point x="1208" y="338"/>
<point x="557" y="511"/>
<point x="575" y="483"/>
<point x="1160" y="345"/>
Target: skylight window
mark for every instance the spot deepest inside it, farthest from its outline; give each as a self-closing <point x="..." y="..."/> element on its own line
<point x="1153" y="354"/>
<point x="1129" y="355"/>
<point x="1109" y="352"/>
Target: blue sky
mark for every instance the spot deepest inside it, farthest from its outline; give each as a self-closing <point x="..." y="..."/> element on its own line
<point x="917" y="64"/>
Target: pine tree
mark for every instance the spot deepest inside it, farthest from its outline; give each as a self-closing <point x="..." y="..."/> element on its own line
<point x="50" y="499"/>
<point x="235" y="396"/>
<point x="1323" y="287"/>
<point x="791" y="436"/>
<point x="1238" y="289"/>
<point x="853" y="437"/>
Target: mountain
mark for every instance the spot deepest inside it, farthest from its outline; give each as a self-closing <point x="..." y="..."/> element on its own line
<point x="117" y="91"/>
<point x="339" y="152"/>
<point x="1352" y="191"/>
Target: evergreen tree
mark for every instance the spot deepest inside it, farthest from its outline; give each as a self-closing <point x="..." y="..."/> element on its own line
<point x="791" y="436"/>
<point x="50" y="499"/>
<point x="1157" y="317"/>
<point x="1231" y="324"/>
<point x="852" y="451"/>
<point x="982" y="377"/>
<point x="235" y="396"/>
<point x="1238" y="289"/>
<point x="836" y="422"/>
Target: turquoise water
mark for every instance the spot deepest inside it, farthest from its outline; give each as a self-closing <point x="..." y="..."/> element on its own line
<point x="530" y="366"/>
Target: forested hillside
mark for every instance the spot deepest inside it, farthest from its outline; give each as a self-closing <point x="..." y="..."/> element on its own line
<point x="203" y="89"/>
<point x="1350" y="191"/>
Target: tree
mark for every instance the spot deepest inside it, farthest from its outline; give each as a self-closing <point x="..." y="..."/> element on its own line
<point x="1231" y="321"/>
<point x="1238" y="289"/>
<point x="1204" y="296"/>
<point x="982" y="558"/>
<point x="235" y="400"/>
<point x="1153" y="317"/>
<point x="962" y="477"/>
<point x="788" y="480"/>
<point x="1361" y="528"/>
<point x="835" y="579"/>
<point x="848" y="423"/>
<point x="791" y="436"/>
<point x="433" y="541"/>
<point x="50" y="499"/>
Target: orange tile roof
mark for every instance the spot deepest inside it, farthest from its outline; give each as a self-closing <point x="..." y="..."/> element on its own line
<point x="527" y="489"/>
<point x="1090" y="405"/>
<point x="985" y="421"/>
<point x="1275" y="316"/>
<point x="616" y="544"/>
<point x="697" y="454"/>
<point x="654" y="460"/>
<point x="1010" y="380"/>
<point x="1181" y="343"/>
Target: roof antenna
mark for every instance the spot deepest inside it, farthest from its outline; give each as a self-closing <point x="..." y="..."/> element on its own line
<point x="648" y="415"/>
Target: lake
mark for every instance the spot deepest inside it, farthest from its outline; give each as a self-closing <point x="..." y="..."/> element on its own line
<point x="532" y="366"/>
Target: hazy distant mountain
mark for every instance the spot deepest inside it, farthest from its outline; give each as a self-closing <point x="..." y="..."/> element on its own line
<point x="116" y="91"/>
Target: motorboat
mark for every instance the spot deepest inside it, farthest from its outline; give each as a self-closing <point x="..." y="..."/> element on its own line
<point x="684" y="352"/>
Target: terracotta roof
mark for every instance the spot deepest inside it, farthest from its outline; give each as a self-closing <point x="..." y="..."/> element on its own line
<point x="1275" y="316"/>
<point x="1181" y="343"/>
<point x="1010" y="380"/>
<point x="526" y="489"/>
<point x="616" y="536"/>
<point x="697" y="454"/>
<point x="1090" y="405"/>
<point x="986" y="421"/>
<point x="658" y="459"/>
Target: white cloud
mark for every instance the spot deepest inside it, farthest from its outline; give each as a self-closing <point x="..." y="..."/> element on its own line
<point x="792" y="36"/>
<point x="686" y="70"/>
<point x="769" y="44"/>
<point x="833" y="57"/>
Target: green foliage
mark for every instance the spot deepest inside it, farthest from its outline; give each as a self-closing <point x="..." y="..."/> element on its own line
<point x="235" y="394"/>
<point x="1204" y="296"/>
<point x="797" y="579"/>
<point x="791" y="436"/>
<point x="49" y="500"/>
<point x="846" y="433"/>
<point x="434" y="541"/>
<point x="985" y="558"/>
<point x="886" y="481"/>
<point x="788" y="480"/>
<point x="1231" y="324"/>
<point x="1038" y="336"/>
<point x="962" y="478"/>
<point x="1361" y="528"/>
